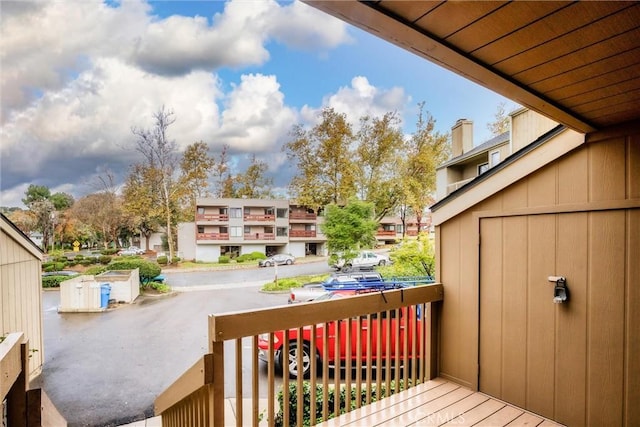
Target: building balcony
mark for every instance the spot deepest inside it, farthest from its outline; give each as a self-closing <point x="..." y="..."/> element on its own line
<point x="302" y="233"/>
<point x="260" y="217"/>
<point x="392" y="340"/>
<point x="303" y="216"/>
<point x="259" y="236"/>
<point x="386" y="233"/>
<point x="212" y="236"/>
<point x="455" y="185"/>
<point x="212" y="217"/>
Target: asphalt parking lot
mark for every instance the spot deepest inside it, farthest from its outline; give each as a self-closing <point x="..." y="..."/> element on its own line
<point x="106" y="369"/>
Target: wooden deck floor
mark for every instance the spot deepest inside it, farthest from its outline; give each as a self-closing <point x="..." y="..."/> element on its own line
<point x="439" y="403"/>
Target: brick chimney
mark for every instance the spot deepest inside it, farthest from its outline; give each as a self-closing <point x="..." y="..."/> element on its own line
<point x="461" y="137"/>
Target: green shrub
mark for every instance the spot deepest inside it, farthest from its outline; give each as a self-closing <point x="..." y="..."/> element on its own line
<point x="60" y="259"/>
<point x="60" y="265"/>
<point x="79" y="257"/>
<point x="244" y="258"/>
<point x="148" y="270"/>
<point x="162" y="260"/>
<point x="175" y="260"/>
<point x="258" y="256"/>
<point x="105" y="259"/>
<point x="87" y="261"/>
<point x="223" y="259"/>
<point x="95" y="270"/>
<point x="110" y="251"/>
<point x="282" y="285"/>
<point x="54" y="281"/>
<point x="331" y="403"/>
<point x="160" y="287"/>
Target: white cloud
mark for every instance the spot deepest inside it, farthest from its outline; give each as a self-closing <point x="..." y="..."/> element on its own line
<point x="45" y="46"/>
<point x="65" y="134"/>
<point x="255" y="116"/>
<point x="360" y="99"/>
<point x="307" y="28"/>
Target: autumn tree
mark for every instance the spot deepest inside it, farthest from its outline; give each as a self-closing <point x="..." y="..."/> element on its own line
<point x="103" y="212"/>
<point x="376" y="172"/>
<point x="46" y="210"/>
<point x="141" y="200"/>
<point x="196" y="166"/>
<point x="161" y="159"/>
<point x="253" y="183"/>
<point x="501" y="121"/>
<point x="323" y="157"/>
<point x="425" y="150"/>
<point x="223" y="179"/>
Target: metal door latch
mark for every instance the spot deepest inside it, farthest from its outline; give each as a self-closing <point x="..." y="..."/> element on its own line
<point x="560" y="290"/>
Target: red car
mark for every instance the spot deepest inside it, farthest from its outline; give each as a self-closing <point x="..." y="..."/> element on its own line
<point x="291" y="360"/>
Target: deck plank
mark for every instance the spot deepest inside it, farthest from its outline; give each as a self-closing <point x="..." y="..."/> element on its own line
<point x="501" y="418"/>
<point x="527" y="419"/>
<point x="452" y="412"/>
<point x="439" y="402"/>
<point x="417" y="410"/>
<point x="477" y="414"/>
<point x="357" y="415"/>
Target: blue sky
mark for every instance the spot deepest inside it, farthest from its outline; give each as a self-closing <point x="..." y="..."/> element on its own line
<point x="239" y="73"/>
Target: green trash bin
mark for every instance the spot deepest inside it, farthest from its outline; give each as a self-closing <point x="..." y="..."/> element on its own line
<point x="105" y="291"/>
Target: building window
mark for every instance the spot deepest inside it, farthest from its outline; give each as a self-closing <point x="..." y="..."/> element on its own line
<point x="310" y="227"/>
<point x="235" y="212"/>
<point x="282" y="213"/>
<point x="236" y="231"/>
<point x="201" y="211"/>
<point x="247" y="229"/>
<point x="224" y="230"/>
<point x="494" y="158"/>
<point x="281" y="231"/>
<point x="483" y="168"/>
<point x="222" y="211"/>
<point x="201" y="229"/>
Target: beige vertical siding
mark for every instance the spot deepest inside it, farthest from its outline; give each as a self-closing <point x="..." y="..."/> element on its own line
<point x="527" y="125"/>
<point x="590" y="198"/>
<point x="20" y="295"/>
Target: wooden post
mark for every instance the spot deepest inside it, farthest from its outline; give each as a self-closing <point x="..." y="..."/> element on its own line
<point x="17" y="396"/>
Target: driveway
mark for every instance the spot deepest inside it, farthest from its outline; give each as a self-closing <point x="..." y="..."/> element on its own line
<point x="106" y="369"/>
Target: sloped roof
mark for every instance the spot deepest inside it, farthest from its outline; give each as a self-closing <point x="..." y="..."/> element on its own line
<point x="14" y="232"/>
<point x="547" y="148"/>
<point x="496" y="141"/>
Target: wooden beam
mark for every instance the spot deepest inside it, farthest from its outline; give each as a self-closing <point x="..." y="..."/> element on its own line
<point x="10" y="362"/>
<point x="254" y="322"/>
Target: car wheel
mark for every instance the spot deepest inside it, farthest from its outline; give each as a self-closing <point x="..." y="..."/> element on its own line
<point x="289" y="262"/>
<point x="382" y="262"/>
<point x="292" y="363"/>
<point x="267" y="264"/>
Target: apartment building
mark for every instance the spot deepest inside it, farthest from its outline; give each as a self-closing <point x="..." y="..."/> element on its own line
<point x="238" y="226"/>
<point x="468" y="161"/>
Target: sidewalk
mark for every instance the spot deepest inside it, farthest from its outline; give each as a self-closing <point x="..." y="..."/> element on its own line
<point x="229" y="414"/>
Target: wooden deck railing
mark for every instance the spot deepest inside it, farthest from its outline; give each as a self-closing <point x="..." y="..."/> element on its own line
<point x="25" y="407"/>
<point x="392" y="334"/>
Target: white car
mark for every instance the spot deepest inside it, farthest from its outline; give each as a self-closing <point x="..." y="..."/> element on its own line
<point x="131" y="250"/>
<point x="364" y="260"/>
<point x="278" y="259"/>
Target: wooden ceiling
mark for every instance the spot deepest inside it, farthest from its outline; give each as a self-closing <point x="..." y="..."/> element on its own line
<point x="575" y="62"/>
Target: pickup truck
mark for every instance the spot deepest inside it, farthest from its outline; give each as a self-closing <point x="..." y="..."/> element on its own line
<point x="364" y="260"/>
<point x="310" y="291"/>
